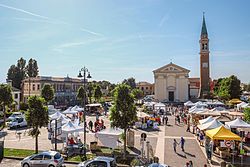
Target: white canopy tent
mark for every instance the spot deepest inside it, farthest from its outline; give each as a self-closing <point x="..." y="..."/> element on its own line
<point x="241" y="104"/>
<point x="70" y="127"/>
<point x="246" y="105"/>
<point x="109" y="137"/>
<point x="142" y="114"/>
<point x="210" y="125"/>
<point x="189" y="104"/>
<point x="196" y="110"/>
<point x="237" y="123"/>
<point x="218" y="103"/>
<point x="200" y="104"/>
<point x="206" y="120"/>
<point x="69" y="111"/>
<point x="58" y="115"/>
<point x="159" y="106"/>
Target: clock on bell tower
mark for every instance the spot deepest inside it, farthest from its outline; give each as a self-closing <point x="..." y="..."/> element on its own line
<point x="204" y="61"/>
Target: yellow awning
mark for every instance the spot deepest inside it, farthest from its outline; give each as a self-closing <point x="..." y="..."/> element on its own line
<point x="235" y="101"/>
<point x="221" y="133"/>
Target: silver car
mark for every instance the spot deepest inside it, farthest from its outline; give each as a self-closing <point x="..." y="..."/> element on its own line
<point x="43" y="159"/>
<point x="99" y="162"/>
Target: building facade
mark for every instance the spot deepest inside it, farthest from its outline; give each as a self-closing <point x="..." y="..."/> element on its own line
<point x="16" y="94"/>
<point x="147" y="88"/>
<point x="171" y="83"/>
<point x="204" y="62"/>
<point x="65" y="89"/>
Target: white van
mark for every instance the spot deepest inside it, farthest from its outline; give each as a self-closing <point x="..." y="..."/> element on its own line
<point x="17" y="122"/>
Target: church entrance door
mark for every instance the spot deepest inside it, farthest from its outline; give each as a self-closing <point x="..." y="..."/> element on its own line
<point x="171" y="96"/>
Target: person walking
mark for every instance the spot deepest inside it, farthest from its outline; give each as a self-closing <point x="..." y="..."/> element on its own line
<point x="175" y="145"/>
<point x="182" y="142"/>
<point x="166" y="119"/>
<point x="190" y="163"/>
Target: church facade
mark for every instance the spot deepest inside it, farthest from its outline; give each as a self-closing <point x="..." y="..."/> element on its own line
<point x="171" y="83"/>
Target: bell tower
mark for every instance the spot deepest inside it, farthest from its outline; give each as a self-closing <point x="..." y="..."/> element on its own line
<point x="204" y="61"/>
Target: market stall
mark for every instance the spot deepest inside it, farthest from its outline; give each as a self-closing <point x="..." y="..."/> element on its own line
<point x="206" y="120"/>
<point x="210" y="125"/>
<point x="109" y="137"/>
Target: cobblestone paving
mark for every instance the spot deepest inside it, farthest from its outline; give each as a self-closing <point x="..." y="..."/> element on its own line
<point x="192" y="149"/>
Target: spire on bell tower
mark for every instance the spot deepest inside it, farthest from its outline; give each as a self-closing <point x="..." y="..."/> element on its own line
<point x="204" y="28"/>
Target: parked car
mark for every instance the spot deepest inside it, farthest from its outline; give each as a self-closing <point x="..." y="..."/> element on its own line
<point x="157" y="165"/>
<point x="99" y="162"/>
<point x="14" y="115"/>
<point x="17" y="122"/>
<point x="43" y="159"/>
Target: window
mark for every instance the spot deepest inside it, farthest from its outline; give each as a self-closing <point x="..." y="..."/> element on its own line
<point x="16" y="95"/>
<point x="19" y="120"/>
<point x="57" y="156"/>
<point x="47" y="157"/>
<point x="33" y="87"/>
<point x="38" y="157"/>
<point x="97" y="164"/>
<point x="146" y="88"/>
<point x="38" y="87"/>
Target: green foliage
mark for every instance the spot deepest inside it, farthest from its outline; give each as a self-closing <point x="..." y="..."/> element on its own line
<point x="123" y="113"/>
<point x="48" y="93"/>
<point x="17" y="73"/>
<point x="247" y="115"/>
<point x="228" y="88"/>
<point x="6" y="98"/>
<point x="80" y="93"/>
<point x="24" y="106"/>
<point x="247" y="87"/>
<point x="36" y="116"/>
<point x="32" y="68"/>
<point x="90" y="88"/>
<point x="97" y="93"/>
<point x="130" y="82"/>
<point x="137" y="93"/>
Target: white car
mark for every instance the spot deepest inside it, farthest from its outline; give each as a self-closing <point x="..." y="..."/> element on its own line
<point x="44" y="159"/>
<point x="17" y="122"/>
<point x="157" y="165"/>
<point x="99" y="162"/>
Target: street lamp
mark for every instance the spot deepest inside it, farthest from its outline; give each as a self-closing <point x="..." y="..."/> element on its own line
<point x="84" y="70"/>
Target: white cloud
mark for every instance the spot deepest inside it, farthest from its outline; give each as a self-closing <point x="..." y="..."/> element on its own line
<point x="24" y="11"/>
<point x="46" y="19"/>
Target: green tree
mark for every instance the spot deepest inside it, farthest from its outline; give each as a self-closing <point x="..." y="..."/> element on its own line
<point x="138" y="94"/>
<point x="234" y="87"/>
<point x="130" y="81"/>
<point x="32" y="68"/>
<point x="97" y="93"/>
<point x="6" y="99"/>
<point x="17" y="73"/>
<point x="123" y="113"/>
<point x="47" y="93"/>
<point x="90" y="91"/>
<point x="36" y="117"/>
<point x="247" y="115"/>
<point x="81" y="94"/>
<point x="229" y="88"/>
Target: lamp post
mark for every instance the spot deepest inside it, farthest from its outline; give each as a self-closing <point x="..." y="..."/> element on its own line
<point x="85" y="71"/>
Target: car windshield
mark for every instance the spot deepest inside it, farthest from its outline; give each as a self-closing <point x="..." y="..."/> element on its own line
<point x="57" y="156"/>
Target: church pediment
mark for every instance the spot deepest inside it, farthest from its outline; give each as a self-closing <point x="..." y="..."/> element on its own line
<point x="171" y="68"/>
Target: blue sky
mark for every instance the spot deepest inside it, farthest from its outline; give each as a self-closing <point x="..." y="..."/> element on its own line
<point x="118" y="39"/>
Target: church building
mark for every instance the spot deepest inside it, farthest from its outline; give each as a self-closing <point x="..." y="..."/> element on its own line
<point x="172" y="82"/>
